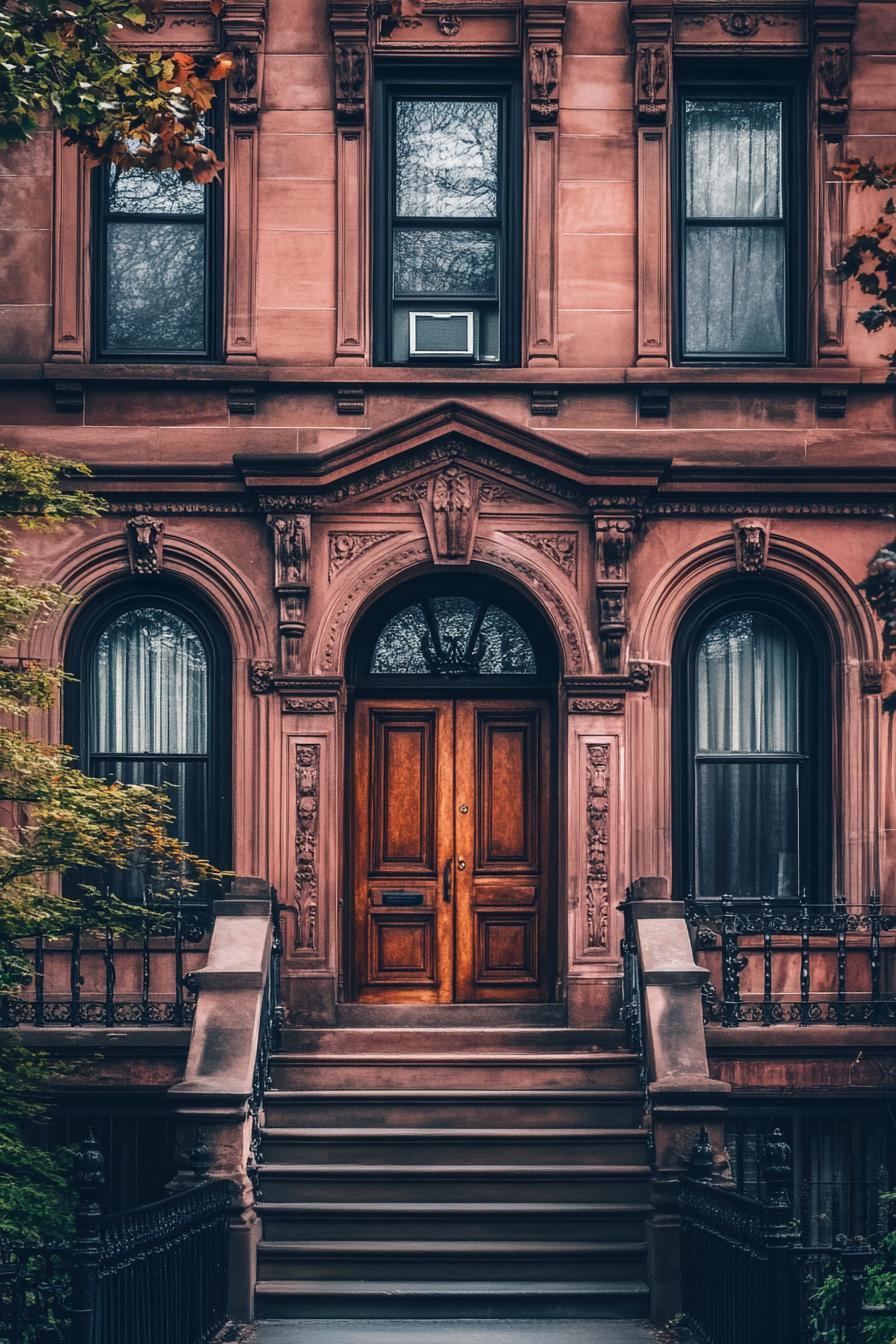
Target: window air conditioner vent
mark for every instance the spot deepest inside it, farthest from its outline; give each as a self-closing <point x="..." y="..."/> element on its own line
<point x="441" y="334"/>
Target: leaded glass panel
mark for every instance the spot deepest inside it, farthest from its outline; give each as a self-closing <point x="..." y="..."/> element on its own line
<point x="453" y="636"/>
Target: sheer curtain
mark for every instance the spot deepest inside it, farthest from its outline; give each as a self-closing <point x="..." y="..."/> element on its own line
<point x="149" y="721"/>
<point x="735" y="245"/>
<point x="747" y="759"/>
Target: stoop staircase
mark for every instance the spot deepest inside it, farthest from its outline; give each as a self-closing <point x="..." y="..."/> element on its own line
<point x="452" y="1171"/>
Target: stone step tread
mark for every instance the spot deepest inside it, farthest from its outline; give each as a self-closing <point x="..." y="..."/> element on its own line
<point x="360" y="1207"/>
<point x="391" y="1288"/>
<point x="512" y="1096"/>
<point x="449" y="1057"/>
<point x="637" y="1171"/>
<point x="456" y="1250"/>
<point x="429" y="1132"/>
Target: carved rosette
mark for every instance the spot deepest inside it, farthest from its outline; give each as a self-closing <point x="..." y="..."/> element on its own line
<point x="307" y="844"/>
<point x="144" y="534"/>
<point x="597" y="841"/>
<point x="344" y="547"/>
<point x="751" y="544"/>
<point x="614" y="537"/>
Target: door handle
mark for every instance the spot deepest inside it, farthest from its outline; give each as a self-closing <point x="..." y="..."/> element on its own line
<point x="446" y="882"/>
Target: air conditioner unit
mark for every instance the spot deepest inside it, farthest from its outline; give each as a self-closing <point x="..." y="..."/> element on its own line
<point x="442" y="335"/>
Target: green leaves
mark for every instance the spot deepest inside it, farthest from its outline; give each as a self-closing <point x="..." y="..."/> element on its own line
<point x="118" y="106"/>
<point x="870" y="254"/>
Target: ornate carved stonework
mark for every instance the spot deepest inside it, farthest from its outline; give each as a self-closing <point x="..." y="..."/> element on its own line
<point x="614" y="536"/>
<point x="612" y="705"/>
<point x="652" y="81"/>
<point x="597" y="840"/>
<point x="261" y="676"/>
<point x="309" y="704"/>
<point x="402" y="14"/>
<point x="751" y="544"/>
<point x="307" y="838"/>
<point x="871" y="675"/>
<point x="292" y="565"/>
<point x="639" y="675"/>
<point x="544" y="83"/>
<point x="833" y="68"/>
<point x="560" y="547"/>
<point x="880" y="589"/>
<point x="243" y="25"/>
<point x="144" y="535"/>
<point x="351" y="78"/>
<point x="449" y="24"/>
<point x="450" y="509"/>
<point x="344" y="547"/>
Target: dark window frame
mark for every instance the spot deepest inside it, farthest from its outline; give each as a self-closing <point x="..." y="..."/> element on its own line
<point x="364" y="639"/>
<point x="80" y="653"/>
<point x="738" y="82"/>
<point x="816" y="661"/>
<point x="403" y="79"/>
<point x="213" y="298"/>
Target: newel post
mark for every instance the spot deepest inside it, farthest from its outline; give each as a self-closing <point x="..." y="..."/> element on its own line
<point x="687" y="1106"/>
<point x="89" y="1181"/>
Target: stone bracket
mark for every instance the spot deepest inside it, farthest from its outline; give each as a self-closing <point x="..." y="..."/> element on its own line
<point x="292" y="580"/>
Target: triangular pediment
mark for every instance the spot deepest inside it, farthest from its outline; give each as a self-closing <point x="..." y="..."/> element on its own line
<point x="397" y="460"/>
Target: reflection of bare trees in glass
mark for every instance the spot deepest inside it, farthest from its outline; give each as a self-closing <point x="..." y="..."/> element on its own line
<point x="155" y="285"/>
<point x="440" y="261"/>
<point x="140" y="193"/>
<point x="446" y="158"/>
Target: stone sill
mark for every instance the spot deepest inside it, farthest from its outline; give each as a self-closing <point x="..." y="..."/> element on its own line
<point x="368" y="376"/>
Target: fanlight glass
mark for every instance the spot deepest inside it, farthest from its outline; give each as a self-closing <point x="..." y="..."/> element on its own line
<point x="453" y="636"/>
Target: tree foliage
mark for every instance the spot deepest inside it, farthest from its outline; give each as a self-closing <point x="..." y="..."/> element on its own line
<point x="870" y="255"/>
<point x="70" y="61"/>
<point x="56" y="823"/>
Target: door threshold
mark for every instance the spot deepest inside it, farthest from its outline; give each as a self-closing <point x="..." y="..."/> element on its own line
<point x="451" y="1014"/>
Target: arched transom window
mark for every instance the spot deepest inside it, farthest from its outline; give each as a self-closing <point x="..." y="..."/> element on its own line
<point x="452" y="635"/>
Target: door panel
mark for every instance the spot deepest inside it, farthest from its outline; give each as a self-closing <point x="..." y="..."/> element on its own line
<point x="403" y="789"/>
<point x="451" y="848"/>
<point x="502" y="843"/>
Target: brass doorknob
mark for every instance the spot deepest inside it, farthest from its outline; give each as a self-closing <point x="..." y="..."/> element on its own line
<point x="461" y="863"/>
<point x="463" y="809"/>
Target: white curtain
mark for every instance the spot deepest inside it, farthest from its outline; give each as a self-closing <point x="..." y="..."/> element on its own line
<point x="149" y="686"/>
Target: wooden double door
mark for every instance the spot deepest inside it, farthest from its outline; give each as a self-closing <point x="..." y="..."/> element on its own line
<point x="452" y="850"/>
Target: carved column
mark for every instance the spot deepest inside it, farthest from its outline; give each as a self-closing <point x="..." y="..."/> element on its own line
<point x="242" y="23"/>
<point x="614" y="537"/>
<point x="543" y="54"/>
<point x="652" y="44"/>
<point x="832" y="56"/>
<point x="350" y="29"/>
<point x="292" y="577"/>
<point x="71" y="223"/>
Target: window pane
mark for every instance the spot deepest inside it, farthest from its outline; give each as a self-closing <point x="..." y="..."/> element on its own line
<point x="733" y="158"/>
<point x="155" y="286"/>
<point x="747" y="829"/>
<point x="186" y="784"/>
<point x="735" y="291"/>
<point x="446" y="158"/>
<point x="137" y="192"/>
<point x="149" y="686"/>
<point x="747" y="688"/>
<point x="398" y="648"/>
<point x="444" y="261"/>
<point x="507" y="646"/>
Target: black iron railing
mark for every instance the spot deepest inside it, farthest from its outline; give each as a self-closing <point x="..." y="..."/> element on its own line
<point x="269" y="1029"/>
<point x="114" y="980"/>
<point x="798" y="964"/>
<point x="746" y="1274"/>
<point x="632" y="1013"/>
<point x="157" y="1274"/>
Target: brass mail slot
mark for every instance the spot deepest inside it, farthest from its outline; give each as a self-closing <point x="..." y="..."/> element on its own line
<point x="402" y="898"/>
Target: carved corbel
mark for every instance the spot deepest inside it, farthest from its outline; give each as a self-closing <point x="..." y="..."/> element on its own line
<point x="832" y="61"/>
<point x="144" y="534"/>
<point x="651" y="25"/>
<point x="543" y="55"/>
<point x="751" y="544"/>
<point x="242" y="28"/>
<point x="292" y="580"/>
<point x="261" y="676"/>
<point x="350" y="33"/>
<point x="450" y="510"/>
<point x="614" y="537"/>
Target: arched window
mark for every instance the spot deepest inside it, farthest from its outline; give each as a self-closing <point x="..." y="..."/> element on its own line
<point x="452" y="633"/>
<point x="751" y="822"/>
<point x="151" y="708"/>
